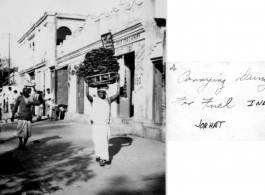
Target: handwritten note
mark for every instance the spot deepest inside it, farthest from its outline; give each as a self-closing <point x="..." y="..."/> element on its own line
<point x="216" y="101"/>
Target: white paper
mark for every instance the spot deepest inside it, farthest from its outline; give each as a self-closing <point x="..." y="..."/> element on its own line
<point x="216" y="101"/>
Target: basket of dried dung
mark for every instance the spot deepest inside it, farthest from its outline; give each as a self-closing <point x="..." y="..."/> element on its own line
<point x="100" y="66"/>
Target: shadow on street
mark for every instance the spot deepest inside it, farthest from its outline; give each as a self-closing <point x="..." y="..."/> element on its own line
<point x="39" y="169"/>
<point x="56" y="163"/>
<point x="152" y="186"/>
<point x="116" y="144"/>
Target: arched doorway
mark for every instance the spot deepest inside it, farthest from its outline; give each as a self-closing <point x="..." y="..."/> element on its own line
<point x="61" y="34"/>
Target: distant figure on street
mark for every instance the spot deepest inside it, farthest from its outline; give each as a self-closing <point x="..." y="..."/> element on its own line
<point x="5" y="108"/>
<point x="39" y="109"/>
<point x="101" y="111"/>
<point x="32" y="93"/>
<point x="2" y="99"/>
<point x="49" y="98"/>
<point x="1" y="110"/>
<point x="23" y="131"/>
<point x="9" y="97"/>
<point x="42" y="106"/>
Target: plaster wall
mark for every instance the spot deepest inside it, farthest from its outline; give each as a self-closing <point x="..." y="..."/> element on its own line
<point x="43" y="37"/>
<point x="69" y="23"/>
<point x="72" y="95"/>
<point x="128" y="14"/>
<point x="132" y="17"/>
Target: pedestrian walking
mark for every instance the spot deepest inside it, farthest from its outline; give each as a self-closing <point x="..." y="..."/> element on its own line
<point x="23" y="132"/>
<point x="5" y="103"/>
<point x="9" y="97"/>
<point x="100" y="121"/>
<point x="42" y="106"/>
<point x="49" y="98"/>
<point x="39" y="109"/>
<point x="32" y="93"/>
<point x="2" y="108"/>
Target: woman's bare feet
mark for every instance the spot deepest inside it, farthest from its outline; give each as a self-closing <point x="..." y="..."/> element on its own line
<point x="105" y="164"/>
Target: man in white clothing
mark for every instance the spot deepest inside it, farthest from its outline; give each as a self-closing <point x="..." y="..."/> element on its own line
<point x="10" y="101"/>
<point x="1" y="99"/>
<point x="2" y="108"/>
<point x="49" y="98"/>
<point x="101" y="122"/>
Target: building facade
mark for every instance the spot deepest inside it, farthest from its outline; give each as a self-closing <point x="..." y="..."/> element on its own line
<point x="38" y="48"/>
<point x="138" y="31"/>
<point x="138" y="42"/>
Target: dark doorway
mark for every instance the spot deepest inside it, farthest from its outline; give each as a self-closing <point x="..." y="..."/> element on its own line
<point x="126" y="107"/>
<point x="62" y="92"/>
<point x="158" y="70"/>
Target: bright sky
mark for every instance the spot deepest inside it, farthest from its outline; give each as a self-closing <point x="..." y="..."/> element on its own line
<point x="17" y="16"/>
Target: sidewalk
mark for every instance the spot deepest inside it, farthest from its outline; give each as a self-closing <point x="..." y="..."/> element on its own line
<point x="60" y="160"/>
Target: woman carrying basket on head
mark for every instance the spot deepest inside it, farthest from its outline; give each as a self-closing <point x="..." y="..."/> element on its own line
<point x="101" y="110"/>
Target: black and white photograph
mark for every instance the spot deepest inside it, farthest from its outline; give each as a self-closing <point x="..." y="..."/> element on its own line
<point x="83" y="97"/>
<point x="132" y="97"/>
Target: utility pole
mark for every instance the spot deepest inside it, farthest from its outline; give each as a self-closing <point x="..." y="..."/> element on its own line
<point x="9" y="60"/>
<point x="55" y="66"/>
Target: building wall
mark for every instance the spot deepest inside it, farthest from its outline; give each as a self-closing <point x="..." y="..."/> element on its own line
<point x="42" y="78"/>
<point x="74" y="26"/>
<point x="116" y="20"/>
<point x="51" y="45"/>
<point x="72" y="93"/>
<point x="43" y="37"/>
<point x="43" y="34"/>
<point x="134" y="30"/>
